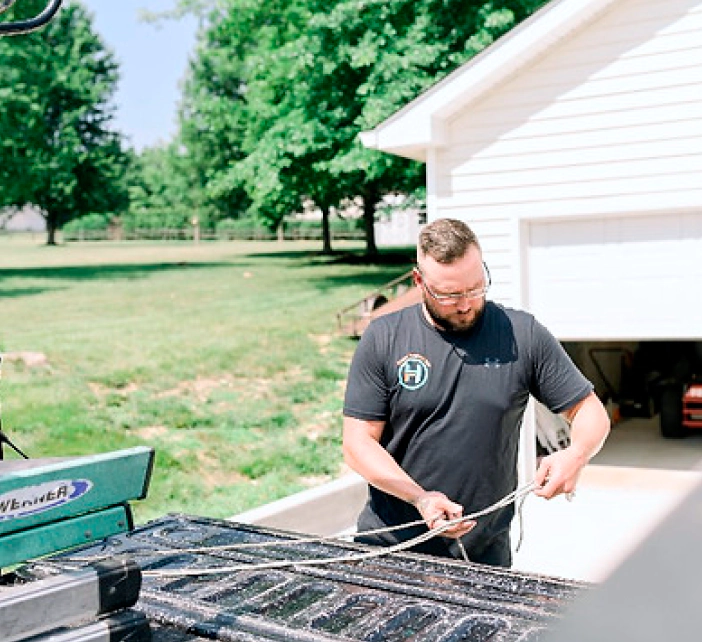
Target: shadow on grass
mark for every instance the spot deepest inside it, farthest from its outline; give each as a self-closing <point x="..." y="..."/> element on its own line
<point x="20" y="292"/>
<point x="389" y="256"/>
<point x="391" y="263"/>
<point x="92" y="273"/>
<point x="372" y="281"/>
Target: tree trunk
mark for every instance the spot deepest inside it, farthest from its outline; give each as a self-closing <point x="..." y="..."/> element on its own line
<point x="51" y="228"/>
<point x="370" y="196"/>
<point x="326" y="232"/>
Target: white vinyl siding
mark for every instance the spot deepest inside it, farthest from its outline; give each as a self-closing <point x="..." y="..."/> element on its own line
<point x="609" y="121"/>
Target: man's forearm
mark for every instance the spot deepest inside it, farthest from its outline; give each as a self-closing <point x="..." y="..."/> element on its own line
<point x="365" y="455"/>
<point x="380" y="470"/>
<point x="589" y="428"/>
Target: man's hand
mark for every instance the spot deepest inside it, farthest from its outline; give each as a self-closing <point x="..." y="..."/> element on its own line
<point x="437" y="510"/>
<point x="558" y="473"/>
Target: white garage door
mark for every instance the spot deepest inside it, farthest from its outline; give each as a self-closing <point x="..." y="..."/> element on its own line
<point x="636" y="277"/>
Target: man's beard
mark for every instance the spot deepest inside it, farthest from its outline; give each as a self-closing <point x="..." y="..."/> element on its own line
<point x="450" y="325"/>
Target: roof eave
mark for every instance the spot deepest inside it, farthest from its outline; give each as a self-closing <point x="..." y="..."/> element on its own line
<point x="421" y="123"/>
<point x="416" y="149"/>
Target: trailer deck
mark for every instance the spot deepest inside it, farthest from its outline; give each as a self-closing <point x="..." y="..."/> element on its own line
<point x="400" y="597"/>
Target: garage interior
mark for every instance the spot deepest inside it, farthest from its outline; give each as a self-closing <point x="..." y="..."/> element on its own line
<point x="647" y="381"/>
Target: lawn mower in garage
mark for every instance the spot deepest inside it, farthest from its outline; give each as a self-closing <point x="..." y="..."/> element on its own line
<point x="681" y="408"/>
<point x="679" y="388"/>
<point x="658" y="377"/>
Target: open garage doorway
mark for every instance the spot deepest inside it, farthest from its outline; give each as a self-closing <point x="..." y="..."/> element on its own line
<point x="643" y="384"/>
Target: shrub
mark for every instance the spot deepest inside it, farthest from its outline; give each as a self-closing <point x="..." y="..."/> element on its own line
<point x="88" y="223"/>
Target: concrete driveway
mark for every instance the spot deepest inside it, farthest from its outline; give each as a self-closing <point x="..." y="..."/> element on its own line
<point x="636" y="480"/>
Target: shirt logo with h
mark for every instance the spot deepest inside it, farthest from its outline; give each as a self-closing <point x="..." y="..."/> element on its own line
<point x="413" y="371"/>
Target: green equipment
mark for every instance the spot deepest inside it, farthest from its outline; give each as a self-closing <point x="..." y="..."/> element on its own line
<point x="49" y="505"/>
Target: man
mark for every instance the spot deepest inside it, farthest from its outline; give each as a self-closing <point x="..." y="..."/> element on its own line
<point x="435" y="399"/>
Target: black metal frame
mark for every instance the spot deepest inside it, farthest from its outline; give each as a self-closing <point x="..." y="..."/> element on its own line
<point x="32" y="24"/>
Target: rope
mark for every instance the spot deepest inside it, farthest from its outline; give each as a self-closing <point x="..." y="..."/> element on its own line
<point x="356" y="557"/>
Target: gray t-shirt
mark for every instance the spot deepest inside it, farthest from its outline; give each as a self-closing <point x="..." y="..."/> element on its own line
<point x="453" y="405"/>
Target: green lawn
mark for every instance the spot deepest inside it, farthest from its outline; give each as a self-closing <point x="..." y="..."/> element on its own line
<point x="223" y="356"/>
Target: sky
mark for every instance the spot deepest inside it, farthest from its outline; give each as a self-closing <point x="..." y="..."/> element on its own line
<point x="153" y="61"/>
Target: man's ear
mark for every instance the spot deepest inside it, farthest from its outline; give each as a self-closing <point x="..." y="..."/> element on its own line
<point x="416" y="277"/>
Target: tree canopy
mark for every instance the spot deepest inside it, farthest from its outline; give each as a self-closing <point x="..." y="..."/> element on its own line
<point x="275" y="97"/>
<point x="57" y="150"/>
<point x="280" y="91"/>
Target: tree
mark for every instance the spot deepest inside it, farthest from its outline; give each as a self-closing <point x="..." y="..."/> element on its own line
<point x="362" y="61"/>
<point x="160" y="194"/>
<point x="57" y="151"/>
<point x="285" y="150"/>
<point x="306" y="76"/>
<point x="222" y="123"/>
<point x="212" y="113"/>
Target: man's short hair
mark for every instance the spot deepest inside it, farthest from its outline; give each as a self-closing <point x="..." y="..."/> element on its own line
<point x="446" y="240"/>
